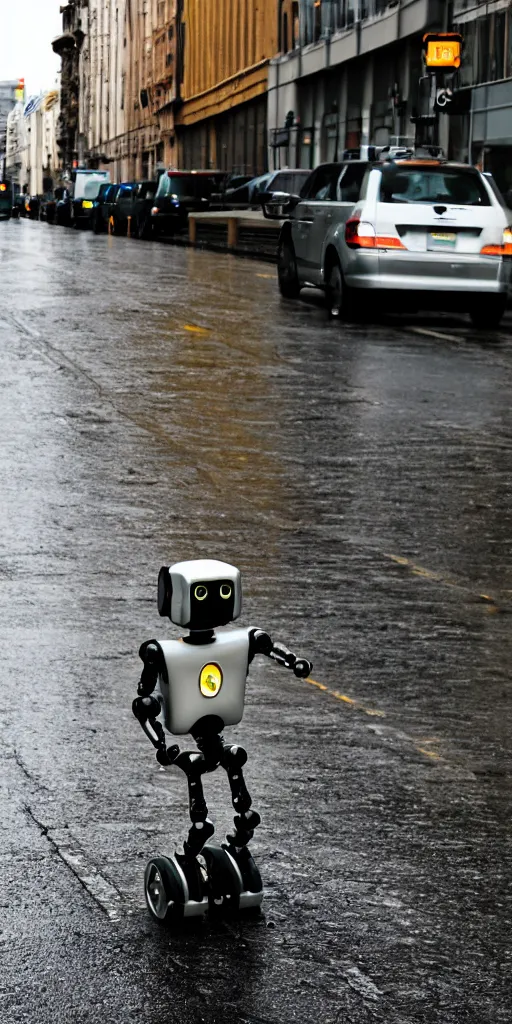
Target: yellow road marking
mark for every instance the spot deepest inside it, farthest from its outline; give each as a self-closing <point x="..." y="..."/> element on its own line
<point x="436" y="334"/>
<point x="196" y="330"/>
<point x="358" y="705"/>
<point x="375" y="713"/>
<point x="269" y="277"/>
<point x="437" y="577"/>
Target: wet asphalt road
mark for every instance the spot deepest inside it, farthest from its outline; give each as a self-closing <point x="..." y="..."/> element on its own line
<point x="158" y="404"/>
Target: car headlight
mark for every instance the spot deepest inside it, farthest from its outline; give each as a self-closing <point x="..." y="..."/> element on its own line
<point x="87" y="205"/>
<point x="155" y="210"/>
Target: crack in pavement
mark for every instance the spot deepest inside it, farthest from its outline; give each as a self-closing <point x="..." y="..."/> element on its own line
<point x="106" y="896"/>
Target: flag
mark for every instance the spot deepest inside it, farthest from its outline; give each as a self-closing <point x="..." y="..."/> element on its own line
<point x="33" y="104"/>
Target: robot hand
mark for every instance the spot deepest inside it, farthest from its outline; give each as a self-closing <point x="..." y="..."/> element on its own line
<point x="261" y="643"/>
<point x="300" y="666"/>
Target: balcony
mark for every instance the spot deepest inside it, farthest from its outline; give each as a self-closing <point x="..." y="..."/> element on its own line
<point x="471" y="8"/>
<point x="63" y="43"/>
<point x="335" y="31"/>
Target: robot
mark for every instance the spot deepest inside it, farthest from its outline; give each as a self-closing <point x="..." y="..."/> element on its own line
<point x="197" y="683"/>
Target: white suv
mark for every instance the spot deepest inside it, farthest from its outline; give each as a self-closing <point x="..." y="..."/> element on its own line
<point x="424" y="233"/>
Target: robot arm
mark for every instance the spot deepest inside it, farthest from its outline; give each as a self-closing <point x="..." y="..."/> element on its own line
<point x="261" y="643"/>
<point x="146" y="708"/>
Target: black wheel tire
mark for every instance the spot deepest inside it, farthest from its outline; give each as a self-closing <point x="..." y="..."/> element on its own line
<point x="489" y="313"/>
<point x="224" y="883"/>
<point x="338" y="297"/>
<point x="287" y="276"/>
<point x="96" y="225"/>
<point x="163" y="889"/>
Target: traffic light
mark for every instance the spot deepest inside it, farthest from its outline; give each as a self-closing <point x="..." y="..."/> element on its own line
<point x="442" y="51"/>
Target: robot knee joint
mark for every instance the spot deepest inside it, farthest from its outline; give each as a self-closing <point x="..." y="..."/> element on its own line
<point x="235" y="757"/>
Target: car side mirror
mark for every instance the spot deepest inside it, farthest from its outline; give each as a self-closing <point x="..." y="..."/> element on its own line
<point x="276" y="205"/>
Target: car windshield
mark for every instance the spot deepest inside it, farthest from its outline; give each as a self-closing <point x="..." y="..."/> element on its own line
<point x="87" y="185"/>
<point x="91" y="189"/>
<point x="187" y="186"/>
<point x="461" y="187"/>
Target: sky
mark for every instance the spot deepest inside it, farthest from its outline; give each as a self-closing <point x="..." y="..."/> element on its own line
<point x="27" y="28"/>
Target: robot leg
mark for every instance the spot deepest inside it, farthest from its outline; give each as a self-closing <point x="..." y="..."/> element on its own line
<point x="246" y="821"/>
<point x="176" y="888"/>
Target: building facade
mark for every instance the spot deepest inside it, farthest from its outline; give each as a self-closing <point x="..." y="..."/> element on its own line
<point x="8" y="99"/>
<point x="347" y="75"/>
<point x="221" y="114"/>
<point x="68" y="46"/>
<point x="32" y="157"/>
<point x="482" y="132"/>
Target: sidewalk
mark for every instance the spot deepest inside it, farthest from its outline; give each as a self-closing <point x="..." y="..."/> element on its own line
<point x="240" y="232"/>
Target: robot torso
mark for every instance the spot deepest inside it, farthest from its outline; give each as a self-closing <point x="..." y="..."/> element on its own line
<point x="206" y="679"/>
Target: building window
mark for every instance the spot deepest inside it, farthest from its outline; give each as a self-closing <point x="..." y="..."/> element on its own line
<point x="483" y="49"/>
<point x="499" y="45"/>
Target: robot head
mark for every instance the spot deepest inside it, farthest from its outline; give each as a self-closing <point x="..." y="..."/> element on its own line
<point x="201" y="594"/>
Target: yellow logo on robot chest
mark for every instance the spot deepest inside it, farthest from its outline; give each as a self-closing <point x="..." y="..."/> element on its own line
<point x="210" y="680"/>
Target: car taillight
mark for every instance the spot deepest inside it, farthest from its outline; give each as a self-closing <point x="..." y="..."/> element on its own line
<point x="505" y="249"/>
<point x="361" y="235"/>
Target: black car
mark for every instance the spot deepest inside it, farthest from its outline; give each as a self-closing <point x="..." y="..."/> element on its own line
<point x="180" y="192"/>
<point x="142" y="202"/>
<point x="132" y="208"/>
<point x="103" y="206"/>
<point x="62" y="207"/>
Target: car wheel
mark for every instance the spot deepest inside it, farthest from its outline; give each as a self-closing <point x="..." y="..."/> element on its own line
<point x="287" y="276"/>
<point x="338" y="297"/>
<point x="489" y="313"/>
<point x="96" y="224"/>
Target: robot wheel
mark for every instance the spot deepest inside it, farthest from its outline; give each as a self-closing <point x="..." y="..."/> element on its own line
<point x="174" y="889"/>
<point x="233" y="879"/>
<point x="224" y="880"/>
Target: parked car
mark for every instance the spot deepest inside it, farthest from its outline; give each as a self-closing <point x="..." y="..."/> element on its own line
<point x="134" y="200"/>
<point x="85" y="187"/>
<point x="288" y="180"/>
<point x="178" y="193"/>
<point x="416" y="231"/>
<point x="142" y="203"/>
<point x="102" y="207"/>
<point x="18" y="205"/>
<point x="63" y="207"/>
<point x="49" y="205"/>
<point x="6" y="200"/>
<point x="32" y="207"/>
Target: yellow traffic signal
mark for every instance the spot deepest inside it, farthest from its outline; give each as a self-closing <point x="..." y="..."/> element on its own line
<point x="442" y="50"/>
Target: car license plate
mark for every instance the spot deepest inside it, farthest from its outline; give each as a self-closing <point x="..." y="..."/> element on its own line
<point x="87" y="205"/>
<point x="442" y="240"/>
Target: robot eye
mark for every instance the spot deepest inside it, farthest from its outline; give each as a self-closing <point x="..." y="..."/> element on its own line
<point x="200" y="593"/>
<point x="226" y="591"/>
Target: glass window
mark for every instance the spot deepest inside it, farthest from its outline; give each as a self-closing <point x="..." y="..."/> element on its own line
<point x="499" y="45"/>
<point x="189" y="186"/>
<point x="351" y="181"/>
<point x="322" y="183"/>
<point x="413" y="184"/>
<point x="289" y="181"/>
<point x="483" y="50"/>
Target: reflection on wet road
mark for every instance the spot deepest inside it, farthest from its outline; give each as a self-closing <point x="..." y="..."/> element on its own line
<point x="160" y="404"/>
